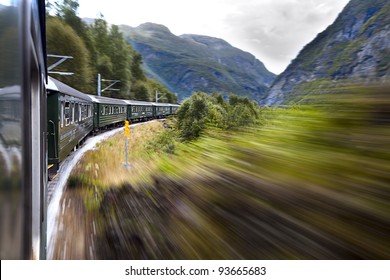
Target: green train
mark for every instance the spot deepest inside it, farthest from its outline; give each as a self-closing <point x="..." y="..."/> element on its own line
<point x="73" y="115"/>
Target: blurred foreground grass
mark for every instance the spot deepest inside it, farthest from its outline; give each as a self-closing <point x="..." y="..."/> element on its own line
<point x="308" y="182"/>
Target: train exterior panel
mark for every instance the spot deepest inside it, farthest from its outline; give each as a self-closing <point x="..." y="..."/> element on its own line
<point x="161" y="110"/>
<point x="108" y="111"/>
<point x="70" y="120"/>
<point x="139" y="110"/>
<point x="174" y="108"/>
<point x="23" y="168"/>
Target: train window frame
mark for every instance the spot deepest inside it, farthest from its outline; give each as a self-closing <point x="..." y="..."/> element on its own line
<point x="67" y="113"/>
<point x="62" y="114"/>
<point x="72" y="115"/>
<point x="76" y="112"/>
<point x="83" y="112"/>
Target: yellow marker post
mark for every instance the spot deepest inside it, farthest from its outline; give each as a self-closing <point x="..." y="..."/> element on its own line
<point x="127" y="135"/>
<point x="127" y="129"/>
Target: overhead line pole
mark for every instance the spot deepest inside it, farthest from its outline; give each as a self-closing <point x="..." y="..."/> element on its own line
<point x="158" y="98"/>
<point x="99" y="90"/>
<point x="63" y="58"/>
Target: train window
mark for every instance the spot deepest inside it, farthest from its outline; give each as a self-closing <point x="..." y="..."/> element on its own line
<point x="83" y="112"/>
<point x="67" y="113"/>
<point x="72" y="111"/>
<point x="76" y="113"/>
<point x="62" y="114"/>
<point x="89" y="111"/>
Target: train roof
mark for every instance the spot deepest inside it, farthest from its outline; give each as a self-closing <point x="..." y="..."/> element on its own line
<point x="107" y="100"/>
<point x="136" y="102"/>
<point x="161" y="104"/>
<point x="55" y="85"/>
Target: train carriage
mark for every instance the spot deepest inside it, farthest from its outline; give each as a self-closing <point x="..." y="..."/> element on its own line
<point x="174" y="108"/>
<point x="108" y="111"/>
<point x="161" y="110"/>
<point x="139" y="110"/>
<point x="70" y="120"/>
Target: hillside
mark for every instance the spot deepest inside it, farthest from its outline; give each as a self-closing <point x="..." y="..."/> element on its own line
<point x="356" y="47"/>
<point x="189" y="63"/>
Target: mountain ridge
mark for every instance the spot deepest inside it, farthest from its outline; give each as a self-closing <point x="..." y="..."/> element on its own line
<point x="355" y="47"/>
<point x="189" y="63"/>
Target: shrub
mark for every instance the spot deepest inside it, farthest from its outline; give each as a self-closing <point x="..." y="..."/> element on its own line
<point x="201" y="111"/>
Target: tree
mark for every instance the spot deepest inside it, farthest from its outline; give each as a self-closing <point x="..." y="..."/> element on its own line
<point x="136" y="70"/>
<point x="141" y="92"/>
<point x="63" y="40"/>
<point x="202" y="111"/>
<point x="121" y="57"/>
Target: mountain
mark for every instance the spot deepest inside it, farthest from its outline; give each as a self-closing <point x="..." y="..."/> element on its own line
<point x="189" y="63"/>
<point x="356" y="47"/>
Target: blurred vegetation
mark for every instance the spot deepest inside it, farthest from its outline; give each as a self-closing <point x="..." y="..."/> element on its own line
<point x="96" y="48"/>
<point x="304" y="182"/>
<point x="202" y="111"/>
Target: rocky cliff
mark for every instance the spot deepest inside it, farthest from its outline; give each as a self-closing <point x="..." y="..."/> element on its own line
<point x="356" y="47"/>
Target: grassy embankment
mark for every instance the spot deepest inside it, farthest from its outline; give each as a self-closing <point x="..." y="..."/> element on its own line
<point x="310" y="182"/>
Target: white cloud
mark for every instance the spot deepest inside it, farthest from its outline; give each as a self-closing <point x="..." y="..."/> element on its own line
<point x="273" y="30"/>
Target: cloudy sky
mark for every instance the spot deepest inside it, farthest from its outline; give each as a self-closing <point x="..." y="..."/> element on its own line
<point x="272" y="30"/>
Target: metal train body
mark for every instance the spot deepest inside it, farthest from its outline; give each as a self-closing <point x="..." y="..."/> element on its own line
<point x="70" y="120"/>
<point x="23" y="163"/>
